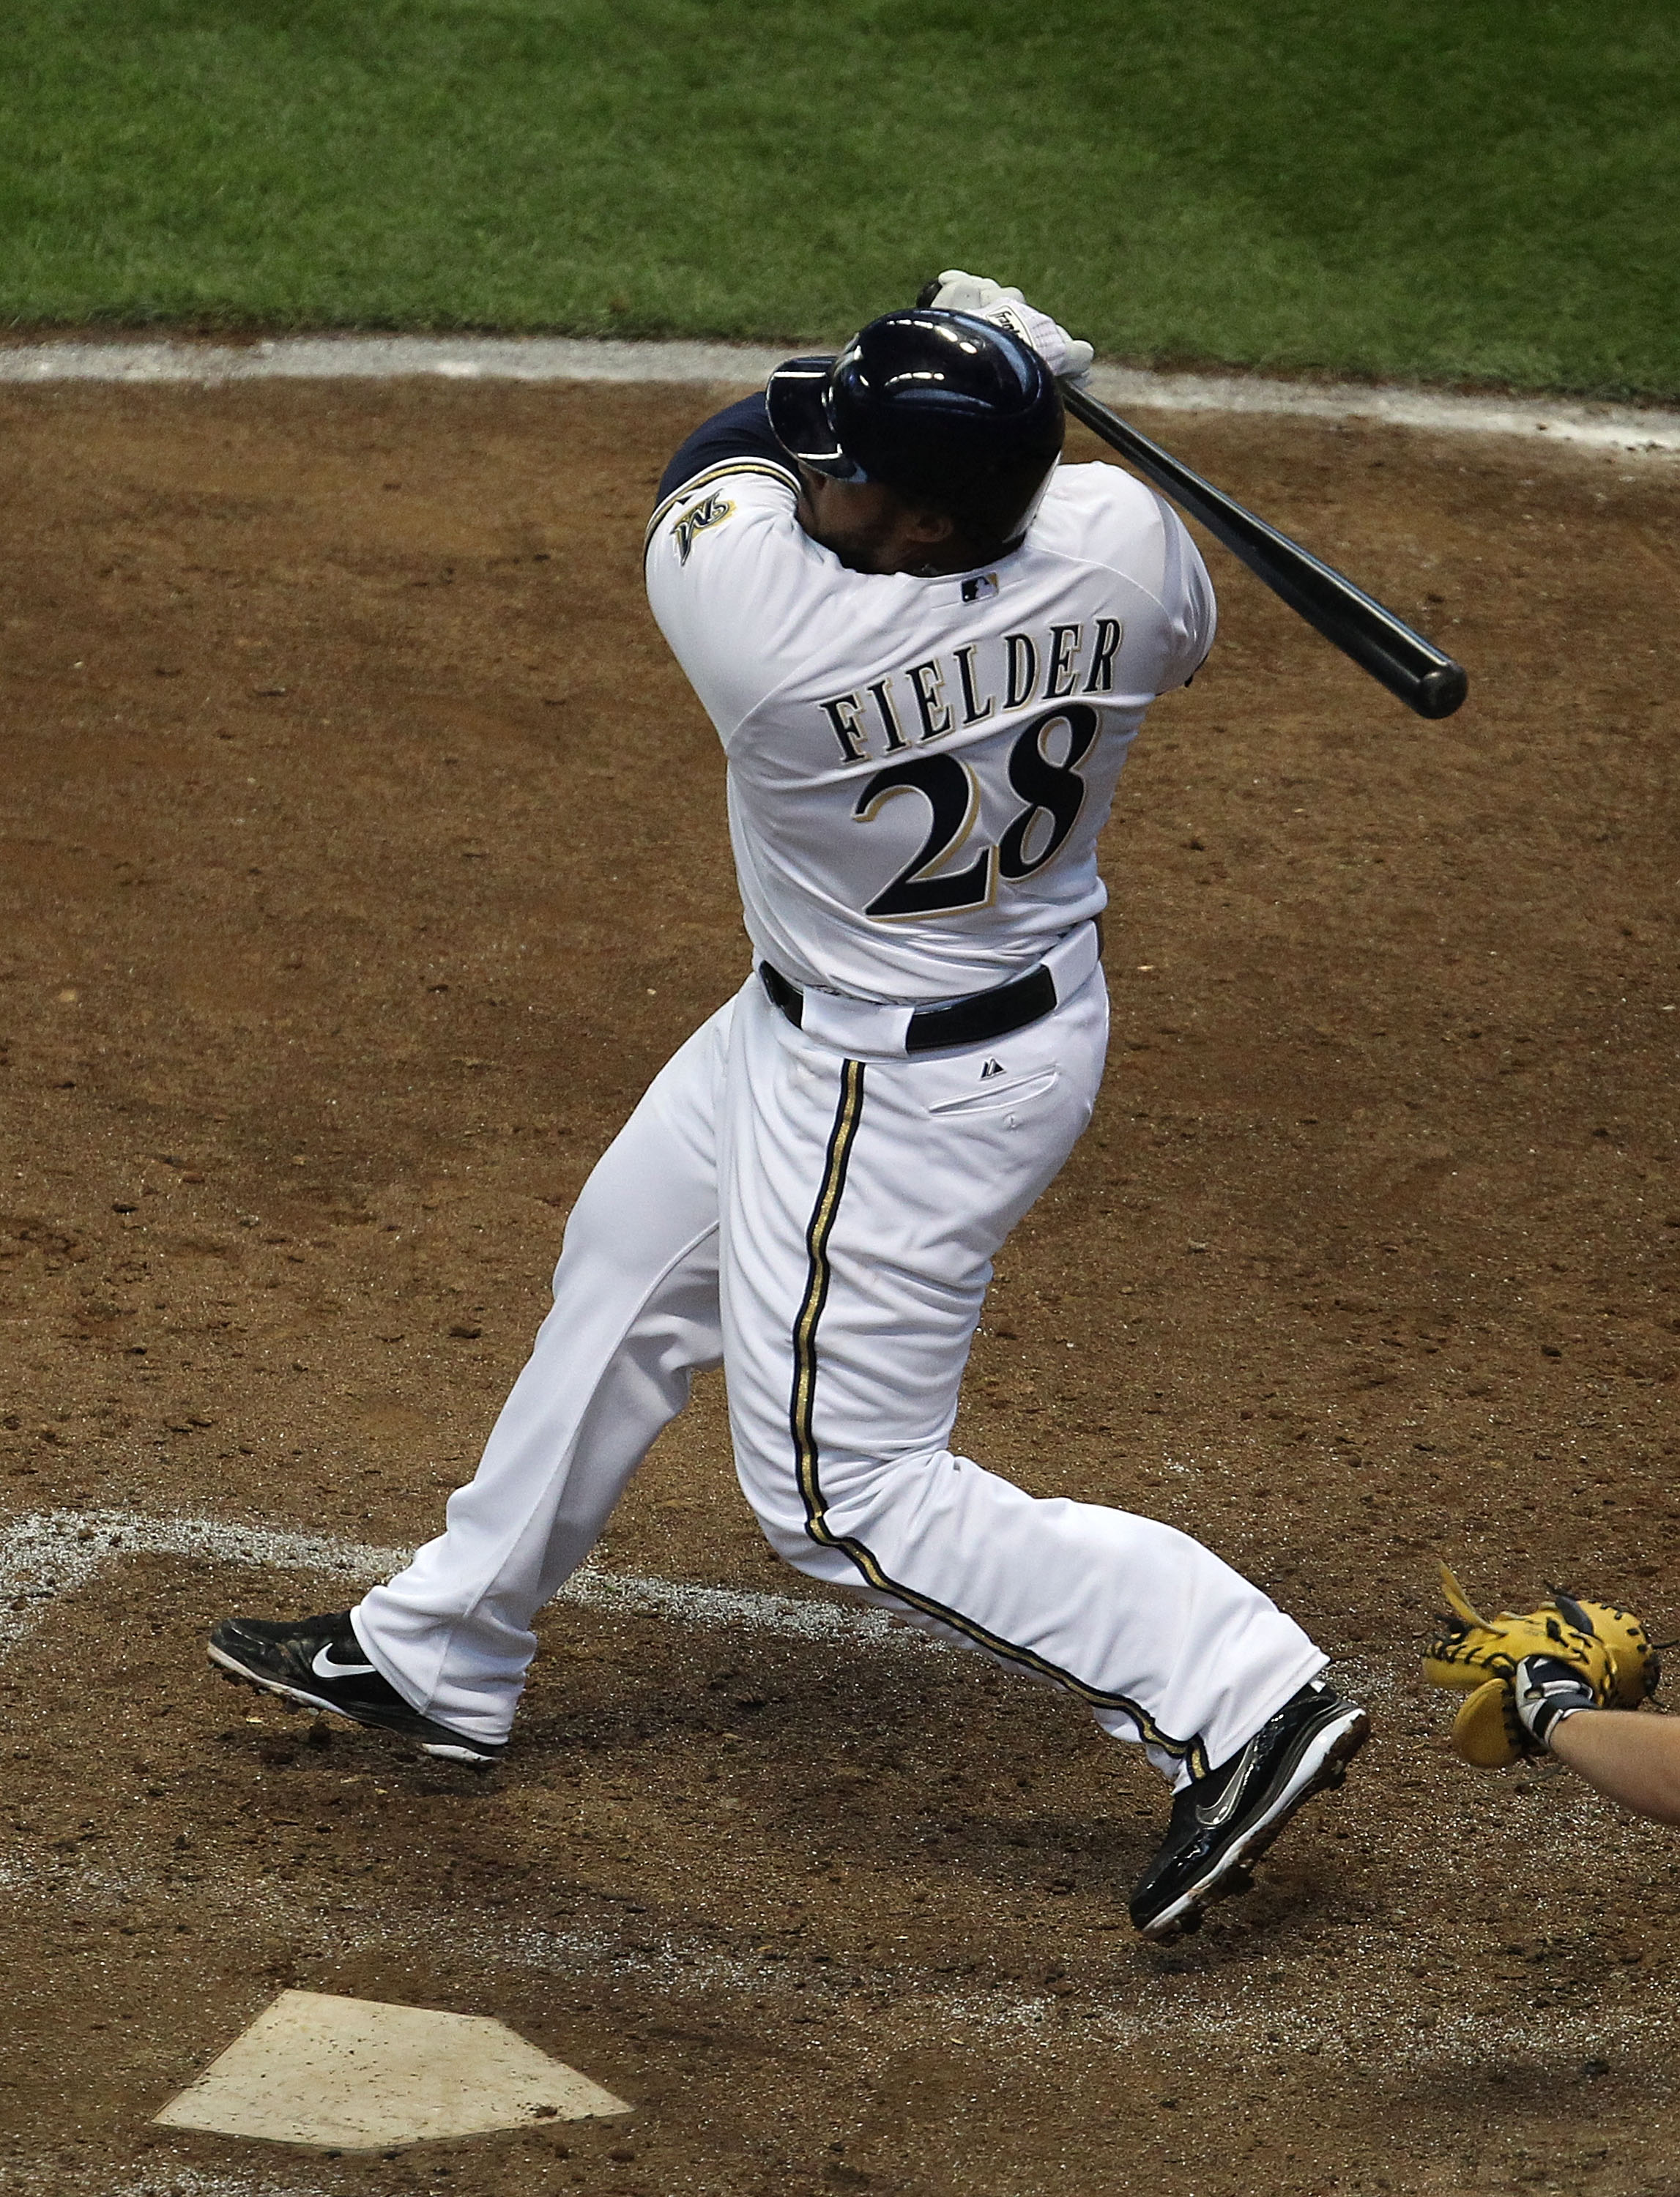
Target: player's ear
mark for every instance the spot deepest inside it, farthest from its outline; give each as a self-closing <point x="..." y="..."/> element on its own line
<point x="927" y="528"/>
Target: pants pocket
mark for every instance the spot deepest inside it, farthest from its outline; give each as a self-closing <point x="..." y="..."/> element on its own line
<point x="999" y="1097"/>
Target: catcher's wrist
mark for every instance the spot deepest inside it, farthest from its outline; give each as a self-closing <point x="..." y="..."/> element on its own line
<point x="1544" y="1691"/>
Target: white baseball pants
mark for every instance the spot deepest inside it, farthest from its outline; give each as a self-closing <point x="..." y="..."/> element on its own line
<point x="824" y="1224"/>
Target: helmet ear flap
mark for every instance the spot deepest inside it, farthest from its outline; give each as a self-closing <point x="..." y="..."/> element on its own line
<point x="799" y="400"/>
<point x="1039" y="494"/>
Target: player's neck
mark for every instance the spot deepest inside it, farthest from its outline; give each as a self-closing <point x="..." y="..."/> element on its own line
<point x="956" y="554"/>
<point x="871" y="528"/>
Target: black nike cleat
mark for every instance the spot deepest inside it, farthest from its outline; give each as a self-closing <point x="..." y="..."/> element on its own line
<point x="319" y="1662"/>
<point x="1223" y="1822"/>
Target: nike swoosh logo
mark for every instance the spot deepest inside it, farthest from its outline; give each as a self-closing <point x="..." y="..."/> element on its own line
<point x="324" y="1667"/>
<point x="1225" y="1806"/>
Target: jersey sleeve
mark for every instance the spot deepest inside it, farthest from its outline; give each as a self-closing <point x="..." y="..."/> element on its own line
<point x="739" y="431"/>
<point x="1103" y="515"/>
<point x="1187" y="597"/>
<point x="731" y="574"/>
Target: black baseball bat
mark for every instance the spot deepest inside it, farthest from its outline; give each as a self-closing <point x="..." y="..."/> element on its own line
<point x="1425" y="679"/>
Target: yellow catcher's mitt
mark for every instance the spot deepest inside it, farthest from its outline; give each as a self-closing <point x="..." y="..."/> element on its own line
<point x="1477" y="1655"/>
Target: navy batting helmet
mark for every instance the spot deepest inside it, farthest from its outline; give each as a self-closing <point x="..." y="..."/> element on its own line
<point x="945" y="408"/>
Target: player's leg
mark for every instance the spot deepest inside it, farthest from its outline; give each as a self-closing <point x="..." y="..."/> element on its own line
<point x="860" y="1227"/>
<point x="634" y="1316"/>
<point x="862" y="1204"/>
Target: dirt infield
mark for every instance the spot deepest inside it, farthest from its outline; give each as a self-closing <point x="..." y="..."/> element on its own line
<point x="362" y="855"/>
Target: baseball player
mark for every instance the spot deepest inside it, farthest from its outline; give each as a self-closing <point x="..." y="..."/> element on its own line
<point x="926" y="650"/>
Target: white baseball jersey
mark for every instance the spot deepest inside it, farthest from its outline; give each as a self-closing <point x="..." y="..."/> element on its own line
<point x="919" y="769"/>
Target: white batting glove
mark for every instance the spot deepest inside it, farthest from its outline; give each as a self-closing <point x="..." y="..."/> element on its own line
<point x="1544" y="1690"/>
<point x="1066" y="358"/>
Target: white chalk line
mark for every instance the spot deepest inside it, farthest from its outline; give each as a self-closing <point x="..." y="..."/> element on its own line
<point x="1636" y="429"/>
<point x="50" y="1554"/>
<point x="1230" y="2009"/>
<point x="169" y="2177"/>
<point x="54" y="1552"/>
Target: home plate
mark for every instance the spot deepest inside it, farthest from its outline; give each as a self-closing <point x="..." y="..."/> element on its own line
<point x="357" y="2075"/>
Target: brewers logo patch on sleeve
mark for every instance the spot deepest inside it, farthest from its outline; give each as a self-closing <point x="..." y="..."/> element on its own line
<point x="711" y="511"/>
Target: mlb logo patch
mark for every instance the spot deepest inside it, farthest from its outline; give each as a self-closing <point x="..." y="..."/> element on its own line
<point x="981" y="588"/>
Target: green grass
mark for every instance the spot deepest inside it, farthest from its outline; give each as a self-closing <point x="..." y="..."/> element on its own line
<point x="1464" y="189"/>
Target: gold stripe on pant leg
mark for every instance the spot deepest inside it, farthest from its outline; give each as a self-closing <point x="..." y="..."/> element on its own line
<point x="849" y="1114"/>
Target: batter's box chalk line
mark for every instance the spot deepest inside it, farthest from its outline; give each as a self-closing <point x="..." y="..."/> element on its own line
<point x="52" y="1553"/>
<point x="1214" y="2008"/>
<point x="1634" y="429"/>
<point x="169" y="2177"/>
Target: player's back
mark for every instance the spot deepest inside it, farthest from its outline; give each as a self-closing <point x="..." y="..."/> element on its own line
<point x="920" y="768"/>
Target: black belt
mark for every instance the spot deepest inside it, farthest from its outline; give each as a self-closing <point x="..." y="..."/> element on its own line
<point x="976" y="1020"/>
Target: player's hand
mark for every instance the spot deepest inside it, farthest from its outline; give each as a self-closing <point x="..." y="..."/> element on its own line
<point x="1606" y="1648"/>
<point x="1543" y="1691"/>
<point x="1600" y="1639"/>
<point x="1067" y="358"/>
